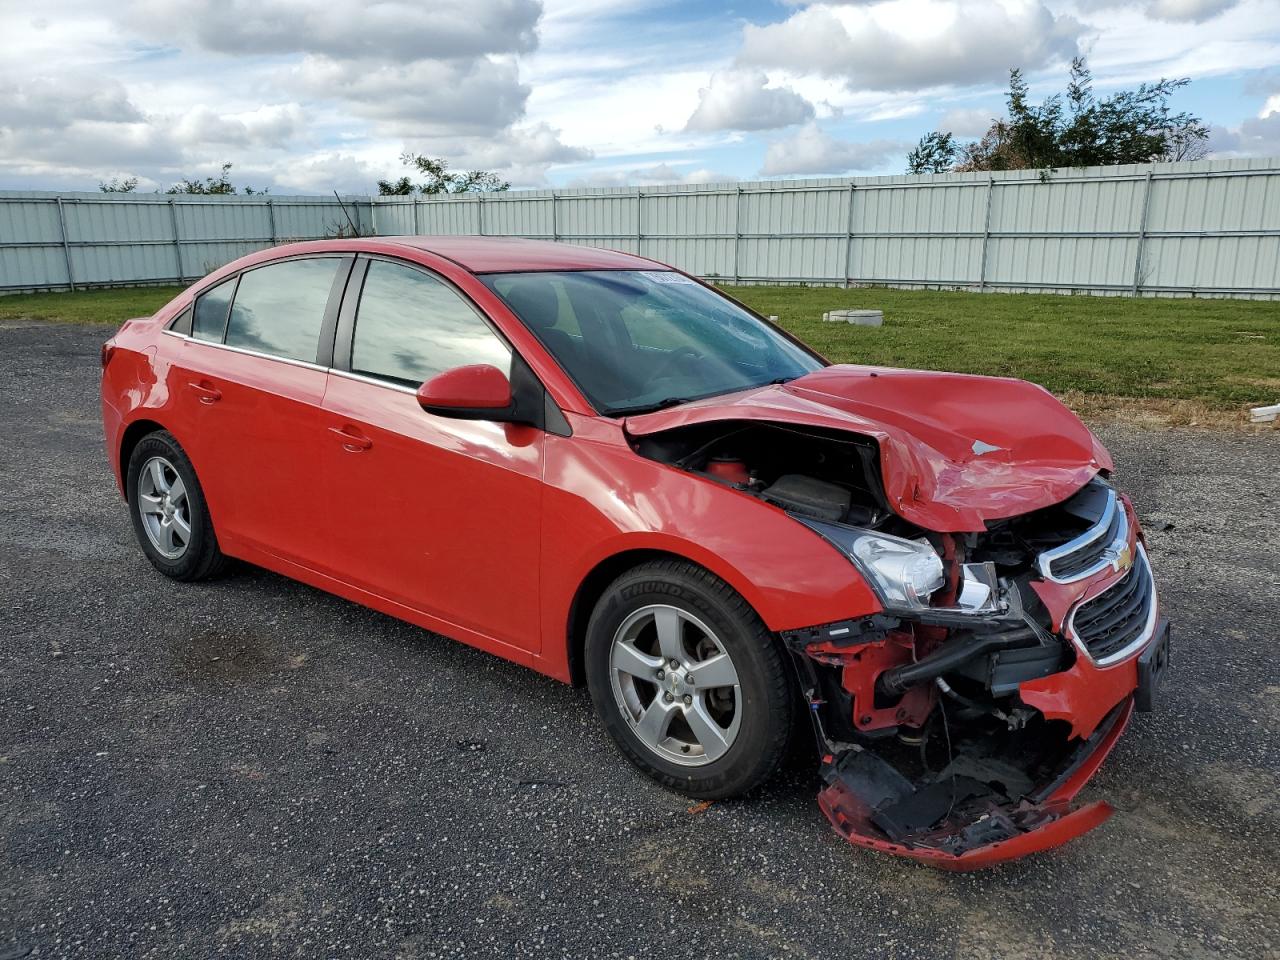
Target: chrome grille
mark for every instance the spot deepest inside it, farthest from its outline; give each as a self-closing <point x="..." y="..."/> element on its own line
<point x="1091" y="552"/>
<point x="1121" y="618"/>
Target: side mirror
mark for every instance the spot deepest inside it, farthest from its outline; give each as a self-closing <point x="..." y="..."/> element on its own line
<point x="474" y="392"/>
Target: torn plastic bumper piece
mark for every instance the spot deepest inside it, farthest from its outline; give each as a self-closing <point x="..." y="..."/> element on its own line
<point x="961" y="822"/>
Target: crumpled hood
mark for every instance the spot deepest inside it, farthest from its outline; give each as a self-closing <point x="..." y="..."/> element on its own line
<point x="955" y="450"/>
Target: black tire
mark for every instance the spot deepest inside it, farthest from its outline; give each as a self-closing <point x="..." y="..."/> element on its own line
<point x="201" y="559"/>
<point x="767" y="690"/>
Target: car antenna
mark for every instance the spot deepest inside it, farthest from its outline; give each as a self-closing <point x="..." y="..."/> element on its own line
<point x="355" y="232"/>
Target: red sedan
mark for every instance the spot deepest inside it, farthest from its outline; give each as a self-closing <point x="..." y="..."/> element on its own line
<point x="597" y="466"/>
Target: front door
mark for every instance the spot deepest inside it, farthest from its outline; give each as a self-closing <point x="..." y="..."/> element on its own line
<point x="438" y="514"/>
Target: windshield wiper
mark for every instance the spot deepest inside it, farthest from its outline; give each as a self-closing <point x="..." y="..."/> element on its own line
<point x="651" y="407"/>
<point x="676" y="401"/>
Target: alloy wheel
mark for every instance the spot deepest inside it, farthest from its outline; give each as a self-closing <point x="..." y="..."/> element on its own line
<point x="164" y="508"/>
<point x="676" y="685"/>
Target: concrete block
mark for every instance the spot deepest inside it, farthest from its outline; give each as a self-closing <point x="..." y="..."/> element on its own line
<point x="864" y="318"/>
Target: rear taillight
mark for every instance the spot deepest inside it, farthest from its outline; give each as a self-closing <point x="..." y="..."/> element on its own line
<point x="108" y="349"/>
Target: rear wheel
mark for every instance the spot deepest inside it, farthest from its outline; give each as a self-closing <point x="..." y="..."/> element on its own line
<point x="689" y="682"/>
<point x="167" y="506"/>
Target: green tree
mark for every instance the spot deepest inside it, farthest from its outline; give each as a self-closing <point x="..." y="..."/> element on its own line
<point x="210" y="186"/>
<point x="935" y="153"/>
<point x="1076" y="129"/>
<point x="438" y="178"/>
<point x="116" y="185"/>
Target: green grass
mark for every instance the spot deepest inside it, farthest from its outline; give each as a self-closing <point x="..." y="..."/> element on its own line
<point x="88" y="306"/>
<point x="1213" y="355"/>
<point x="1222" y="354"/>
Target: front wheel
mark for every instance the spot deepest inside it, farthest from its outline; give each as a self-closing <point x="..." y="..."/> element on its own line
<point x="689" y="682"/>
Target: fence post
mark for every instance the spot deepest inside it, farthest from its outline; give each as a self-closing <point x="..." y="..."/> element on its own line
<point x="271" y="217"/>
<point x="848" y="242"/>
<point x="177" y="240"/>
<point x="1142" y="235"/>
<point x="555" y="226"/>
<point x="737" y="236"/>
<point x="986" y="236"/>
<point x="480" y="211"/>
<point x="66" y="247"/>
<point x="417" y="231"/>
<point x="639" y="221"/>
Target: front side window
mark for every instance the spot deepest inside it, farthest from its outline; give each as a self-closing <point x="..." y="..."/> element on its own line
<point x="636" y="340"/>
<point x="279" y="308"/>
<point x="411" y="326"/>
<point x="210" y="319"/>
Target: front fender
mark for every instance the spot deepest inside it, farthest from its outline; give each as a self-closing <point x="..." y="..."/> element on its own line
<point x="602" y="499"/>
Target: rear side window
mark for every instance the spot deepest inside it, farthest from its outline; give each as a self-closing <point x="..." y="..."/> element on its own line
<point x="411" y="326"/>
<point x="210" y="319"/>
<point x="279" y="309"/>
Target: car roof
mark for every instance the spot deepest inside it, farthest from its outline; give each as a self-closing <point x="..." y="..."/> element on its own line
<point x="517" y="255"/>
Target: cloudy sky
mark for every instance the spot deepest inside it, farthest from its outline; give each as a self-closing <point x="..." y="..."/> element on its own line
<point x="305" y="97"/>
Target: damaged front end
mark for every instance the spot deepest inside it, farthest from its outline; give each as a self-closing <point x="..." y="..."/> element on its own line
<point x="959" y="722"/>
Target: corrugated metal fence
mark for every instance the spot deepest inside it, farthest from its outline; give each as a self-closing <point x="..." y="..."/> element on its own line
<point x="1205" y="228"/>
<point x="60" y="241"/>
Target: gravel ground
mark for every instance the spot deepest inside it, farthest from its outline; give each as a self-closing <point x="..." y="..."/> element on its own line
<point x="253" y="768"/>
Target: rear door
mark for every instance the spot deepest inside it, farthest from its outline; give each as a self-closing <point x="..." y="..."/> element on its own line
<point x="438" y="514"/>
<point x="251" y="379"/>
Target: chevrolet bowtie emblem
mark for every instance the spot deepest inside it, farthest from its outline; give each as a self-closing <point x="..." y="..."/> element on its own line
<point x="1124" y="559"/>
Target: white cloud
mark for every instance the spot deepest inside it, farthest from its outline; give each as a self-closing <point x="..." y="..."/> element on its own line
<point x="330" y="171"/>
<point x="536" y="144"/>
<point x="421" y="98"/>
<point x="1170" y="11"/>
<point x="74" y="124"/>
<point x="51" y="103"/>
<point x="1191" y="11"/>
<point x="743" y="100"/>
<point x="399" y="30"/>
<point x="1195" y="11"/>
<point x="813" y="151"/>
<point x="305" y="96"/>
<point x="913" y="45"/>
<point x="968" y="122"/>
<point x="436" y="76"/>
<point x="661" y="173"/>
<point x="626" y="116"/>
<point x="521" y="154"/>
<point x="1257" y="137"/>
<point x="271" y="125"/>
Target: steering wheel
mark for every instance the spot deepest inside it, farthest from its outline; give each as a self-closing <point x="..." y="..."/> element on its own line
<point x="676" y="358"/>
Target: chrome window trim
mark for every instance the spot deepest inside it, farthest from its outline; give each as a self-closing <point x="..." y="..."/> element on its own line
<point x="246" y="351"/>
<point x="1044" y="562"/>
<point x="297" y="363"/>
<point x="400" y="388"/>
<point x="1148" y="630"/>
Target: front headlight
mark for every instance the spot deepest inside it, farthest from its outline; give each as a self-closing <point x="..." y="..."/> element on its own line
<point x="903" y="572"/>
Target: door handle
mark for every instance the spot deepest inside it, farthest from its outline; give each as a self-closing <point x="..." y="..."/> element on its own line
<point x="207" y="394"/>
<point x="353" y="442"/>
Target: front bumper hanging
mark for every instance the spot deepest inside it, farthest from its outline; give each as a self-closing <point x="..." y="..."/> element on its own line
<point x="961" y="822"/>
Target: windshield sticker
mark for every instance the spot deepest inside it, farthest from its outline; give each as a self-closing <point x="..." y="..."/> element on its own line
<point x="667" y="276"/>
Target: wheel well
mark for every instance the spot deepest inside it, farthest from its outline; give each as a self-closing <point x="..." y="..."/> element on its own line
<point x="133" y="435"/>
<point x="592" y="588"/>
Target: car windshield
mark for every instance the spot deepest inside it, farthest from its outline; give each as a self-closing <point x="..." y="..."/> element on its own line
<point x="640" y="340"/>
